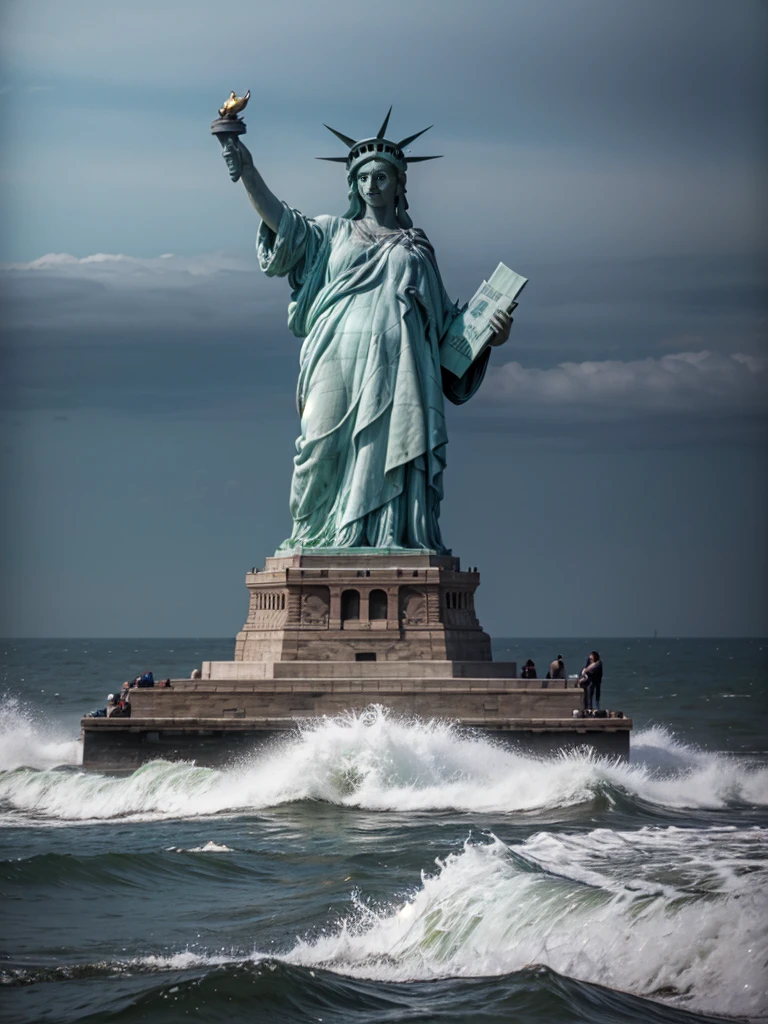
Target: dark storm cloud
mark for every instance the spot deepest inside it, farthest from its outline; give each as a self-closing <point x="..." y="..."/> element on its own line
<point x="148" y="376"/>
<point x="720" y="301"/>
<point x="167" y="334"/>
<point x="693" y="281"/>
<point x="209" y="333"/>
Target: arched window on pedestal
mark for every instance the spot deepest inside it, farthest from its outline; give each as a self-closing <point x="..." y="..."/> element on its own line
<point x="377" y="604"/>
<point x="350" y="605"/>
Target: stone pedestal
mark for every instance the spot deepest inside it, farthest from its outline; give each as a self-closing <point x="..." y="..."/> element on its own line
<point x="403" y="606"/>
<point x="340" y="632"/>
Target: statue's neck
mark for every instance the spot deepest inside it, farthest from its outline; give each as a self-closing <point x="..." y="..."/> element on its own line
<point x="382" y="217"/>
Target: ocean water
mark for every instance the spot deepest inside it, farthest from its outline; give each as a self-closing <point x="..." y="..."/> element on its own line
<point x="376" y="869"/>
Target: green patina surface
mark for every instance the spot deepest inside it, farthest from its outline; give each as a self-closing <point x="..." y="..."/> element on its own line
<point x="372" y="310"/>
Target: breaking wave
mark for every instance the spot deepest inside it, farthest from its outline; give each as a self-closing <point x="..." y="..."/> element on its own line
<point x="25" y="739"/>
<point x="678" y="916"/>
<point x="493" y="910"/>
<point x="377" y="761"/>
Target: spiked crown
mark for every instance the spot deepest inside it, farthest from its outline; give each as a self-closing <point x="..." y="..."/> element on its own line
<point x="376" y="147"/>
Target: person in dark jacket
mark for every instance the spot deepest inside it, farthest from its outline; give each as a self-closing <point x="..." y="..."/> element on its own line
<point x="528" y="670"/>
<point x="591" y="678"/>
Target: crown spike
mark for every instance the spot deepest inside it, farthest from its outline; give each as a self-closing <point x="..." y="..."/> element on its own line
<point x="410" y="138"/>
<point x="344" y="138"/>
<point x="380" y="133"/>
<point x="420" y="159"/>
<point x="333" y="159"/>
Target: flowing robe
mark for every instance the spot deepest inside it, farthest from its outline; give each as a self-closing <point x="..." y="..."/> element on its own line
<point x="372" y="311"/>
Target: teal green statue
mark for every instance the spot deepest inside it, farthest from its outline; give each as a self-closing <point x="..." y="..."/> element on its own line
<point x="368" y="301"/>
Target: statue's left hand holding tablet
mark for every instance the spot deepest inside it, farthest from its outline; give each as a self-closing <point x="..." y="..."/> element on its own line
<point x="501" y="321"/>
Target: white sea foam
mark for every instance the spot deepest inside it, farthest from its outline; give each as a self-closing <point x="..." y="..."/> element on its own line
<point x="379" y="762"/>
<point x="668" y="861"/>
<point x="488" y="911"/>
<point x="25" y="739"/>
<point x="184" y="960"/>
<point x="209" y="847"/>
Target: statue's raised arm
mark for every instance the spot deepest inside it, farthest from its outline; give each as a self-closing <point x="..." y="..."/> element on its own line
<point x="228" y="128"/>
<point x="240" y="165"/>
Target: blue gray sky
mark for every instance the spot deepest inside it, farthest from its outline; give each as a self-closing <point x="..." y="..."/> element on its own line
<point x="609" y="479"/>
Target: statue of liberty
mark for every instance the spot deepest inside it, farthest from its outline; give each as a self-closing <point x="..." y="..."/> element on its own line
<point x="368" y="301"/>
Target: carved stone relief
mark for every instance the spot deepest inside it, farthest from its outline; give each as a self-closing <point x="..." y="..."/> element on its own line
<point x="413" y="607"/>
<point x="315" y="606"/>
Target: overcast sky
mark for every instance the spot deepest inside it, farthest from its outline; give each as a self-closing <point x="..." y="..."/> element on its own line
<point x="608" y="479"/>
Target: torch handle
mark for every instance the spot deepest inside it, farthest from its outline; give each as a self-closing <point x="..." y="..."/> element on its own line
<point x="220" y="128"/>
<point x="229" y="139"/>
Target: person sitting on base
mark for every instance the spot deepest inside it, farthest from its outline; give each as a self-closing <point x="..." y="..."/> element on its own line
<point x="557" y="668"/>
<point x="528" y="670"/>
<point x="116" y="706"/>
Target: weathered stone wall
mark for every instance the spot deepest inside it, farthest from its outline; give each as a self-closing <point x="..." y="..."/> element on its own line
<point x="109" y="746"/>
<point x="455" y="700"/>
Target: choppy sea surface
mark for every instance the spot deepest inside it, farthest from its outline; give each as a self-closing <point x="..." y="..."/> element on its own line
<point x="376" y="869"/>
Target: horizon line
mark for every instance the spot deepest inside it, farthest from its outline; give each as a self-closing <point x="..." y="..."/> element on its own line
<point x="552" y="636"/>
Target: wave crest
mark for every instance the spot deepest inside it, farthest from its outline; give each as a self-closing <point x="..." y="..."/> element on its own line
<point x="377" y="761"/>
<point x="486" y="912"/>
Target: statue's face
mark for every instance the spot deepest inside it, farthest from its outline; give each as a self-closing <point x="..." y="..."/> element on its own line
<point x="377" y="183"/>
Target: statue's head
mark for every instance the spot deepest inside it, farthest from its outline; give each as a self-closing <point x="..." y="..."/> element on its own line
<point x="377" y="160"/>
<point x="379" y="183"/>
<point x="376" y="182"/>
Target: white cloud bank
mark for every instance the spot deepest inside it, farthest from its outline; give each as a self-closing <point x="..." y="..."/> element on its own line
<point x="683" y="382"/>
<point x="111" y="295"/>
<point x="118" y="266"/>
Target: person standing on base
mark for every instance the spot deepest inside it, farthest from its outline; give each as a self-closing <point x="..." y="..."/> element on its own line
<point x="591" y="679"/>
